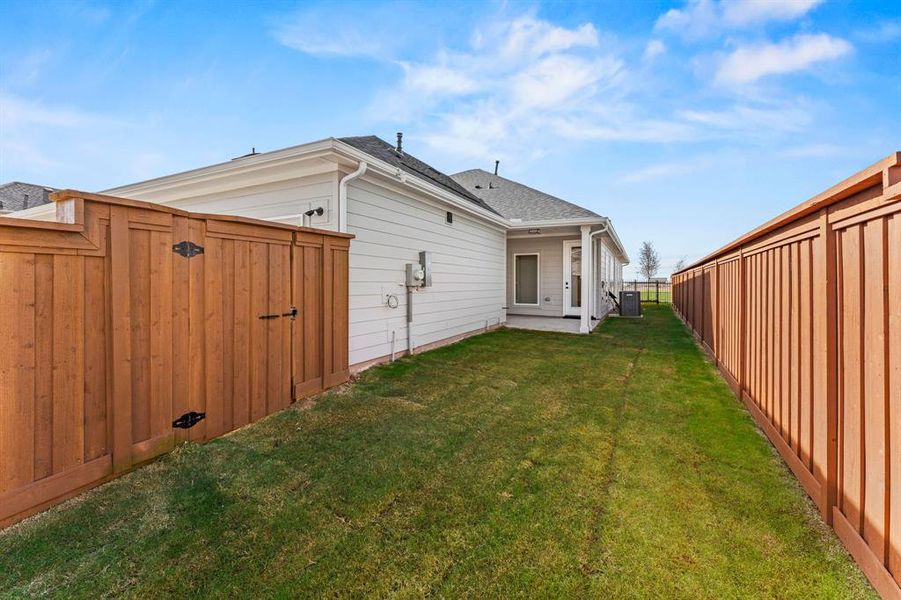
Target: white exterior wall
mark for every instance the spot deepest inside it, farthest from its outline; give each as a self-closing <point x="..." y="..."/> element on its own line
<point x="283" y="201"/>
<point x="391" y="228"/>
<point x="550" y="274"/>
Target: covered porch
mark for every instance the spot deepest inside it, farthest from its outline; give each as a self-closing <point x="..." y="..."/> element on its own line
<point x="552" y="284"/>
<point x="557" y="324"/>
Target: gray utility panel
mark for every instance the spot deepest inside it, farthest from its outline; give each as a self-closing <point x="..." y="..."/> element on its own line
<point x="630" y="304"/>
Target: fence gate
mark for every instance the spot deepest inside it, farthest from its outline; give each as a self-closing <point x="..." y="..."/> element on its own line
<point x="320" y="292"/>
<point x="131" y="327"/>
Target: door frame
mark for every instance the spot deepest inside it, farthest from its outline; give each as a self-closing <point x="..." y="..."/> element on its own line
<point x="568" y="309"/>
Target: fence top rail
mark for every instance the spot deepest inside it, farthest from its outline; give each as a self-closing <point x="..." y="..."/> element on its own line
<point x="886" y="171"/>
<point x="74" y="214"/>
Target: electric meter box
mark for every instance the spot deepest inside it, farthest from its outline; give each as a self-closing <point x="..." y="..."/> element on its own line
<point x="425" y="262"/>
<point x="414" y="275"/>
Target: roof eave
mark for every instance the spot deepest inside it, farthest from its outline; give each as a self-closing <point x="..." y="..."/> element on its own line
<point x="518" y="224"/>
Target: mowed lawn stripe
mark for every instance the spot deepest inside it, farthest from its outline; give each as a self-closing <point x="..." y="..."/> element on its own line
<point x="513" y="463"/>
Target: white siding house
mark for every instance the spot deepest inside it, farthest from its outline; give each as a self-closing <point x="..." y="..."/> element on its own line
<point x="467" y="262"/>
<point x="396" y="206"/>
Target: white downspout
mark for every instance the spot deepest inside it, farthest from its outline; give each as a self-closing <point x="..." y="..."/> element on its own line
<point x="342" y="195"/>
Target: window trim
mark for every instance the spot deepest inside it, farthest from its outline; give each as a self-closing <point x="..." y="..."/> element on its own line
<point x="537" y="256"/>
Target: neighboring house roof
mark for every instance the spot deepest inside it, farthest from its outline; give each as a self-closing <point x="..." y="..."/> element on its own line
<point x="16" y="195"/>
<point x="382" y="150"/>
<point x="517" y="201"/>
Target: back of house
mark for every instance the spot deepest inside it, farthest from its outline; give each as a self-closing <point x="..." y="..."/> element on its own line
<point x="397" y="206"/>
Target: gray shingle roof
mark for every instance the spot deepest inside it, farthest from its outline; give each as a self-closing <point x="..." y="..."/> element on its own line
<point x="16" y="195"/>
<point x="382" y="150"/>
<point x="517" y="201"/>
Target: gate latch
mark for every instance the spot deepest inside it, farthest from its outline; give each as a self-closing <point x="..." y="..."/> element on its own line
<point x="291" y="313"/>
<point x="187" y="249"/>
<point x="188" y="420"/>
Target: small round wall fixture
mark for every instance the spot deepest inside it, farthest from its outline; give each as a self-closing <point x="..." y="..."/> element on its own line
<point x="392" y="301"/>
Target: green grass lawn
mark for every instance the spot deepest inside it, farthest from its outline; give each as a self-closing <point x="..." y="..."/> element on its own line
<point x="665" y="297"/>
<point x="514" y="463"/>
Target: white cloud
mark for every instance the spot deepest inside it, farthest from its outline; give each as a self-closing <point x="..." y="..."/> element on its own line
<point x="356" y="29"/>
<point x="815" y="151"/>
<point x="528" y="36"/>
<point x="313" y="39"/>
<point x="670" y="169"/>
<point x="747" y="64"/>
<point x="752" y="120"/>
<point x="525" y="86"/>
<point x="518" y="77"/>
<point x="18" y="112"/>
<point x="698" y="18"/>
<point x="885" y="31"/>
<point x="557" y="79"/>
<point x="747" y="12"/>
<point x="704" y="18"/>
<point x="437" y="80"/>
<point x="654" y="49"/>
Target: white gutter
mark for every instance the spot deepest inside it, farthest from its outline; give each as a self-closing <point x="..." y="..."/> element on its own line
<point x="342" y="195"/>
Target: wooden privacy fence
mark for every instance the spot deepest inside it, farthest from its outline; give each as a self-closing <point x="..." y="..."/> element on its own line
<point x="803" y="318"/>
<point x="124" y="324"/>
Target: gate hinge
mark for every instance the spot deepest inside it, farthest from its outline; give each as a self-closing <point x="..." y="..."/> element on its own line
<point x="188" y="420"/>
<point x="187" y="249"/>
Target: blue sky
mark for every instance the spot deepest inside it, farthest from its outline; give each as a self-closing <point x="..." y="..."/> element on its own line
<point x="687" y="123"/>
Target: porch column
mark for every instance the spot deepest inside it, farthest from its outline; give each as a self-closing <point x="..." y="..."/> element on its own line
<point x="585" y="283"/>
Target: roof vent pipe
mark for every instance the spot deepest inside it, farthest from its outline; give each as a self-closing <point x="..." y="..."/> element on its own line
<point x="497" y="163"/>
<point x="400" y="140"/>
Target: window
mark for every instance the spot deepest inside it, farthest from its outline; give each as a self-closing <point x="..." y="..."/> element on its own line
<point x="450" y="218"/>
<point x="525" y="279"/>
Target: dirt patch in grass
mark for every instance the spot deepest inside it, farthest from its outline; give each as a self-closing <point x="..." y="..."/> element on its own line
<point x="511" y="464"/>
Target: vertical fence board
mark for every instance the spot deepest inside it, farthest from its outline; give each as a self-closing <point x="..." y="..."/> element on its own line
<point x="95" y="336"/>
<point x="850" y="333"/>
<point x="894" y="380"/>
<point x="68" y="362"/>
<point x="139" y="266"/>
<point x="874" y="371"/>
<point x="241" y="375"/>
<point x="43" y="376"/>
<point x="259" y="345"/>
<point x="213" y="327"/>
<point x="17" y="370"/>
<point x="228" y="334"/>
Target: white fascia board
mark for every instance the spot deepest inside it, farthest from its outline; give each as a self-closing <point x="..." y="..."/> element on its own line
<point x="525" y="225"/>
<point x="423" y="186"/>
<point x="210" y="173"/>
<point x="619" y="244"/>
